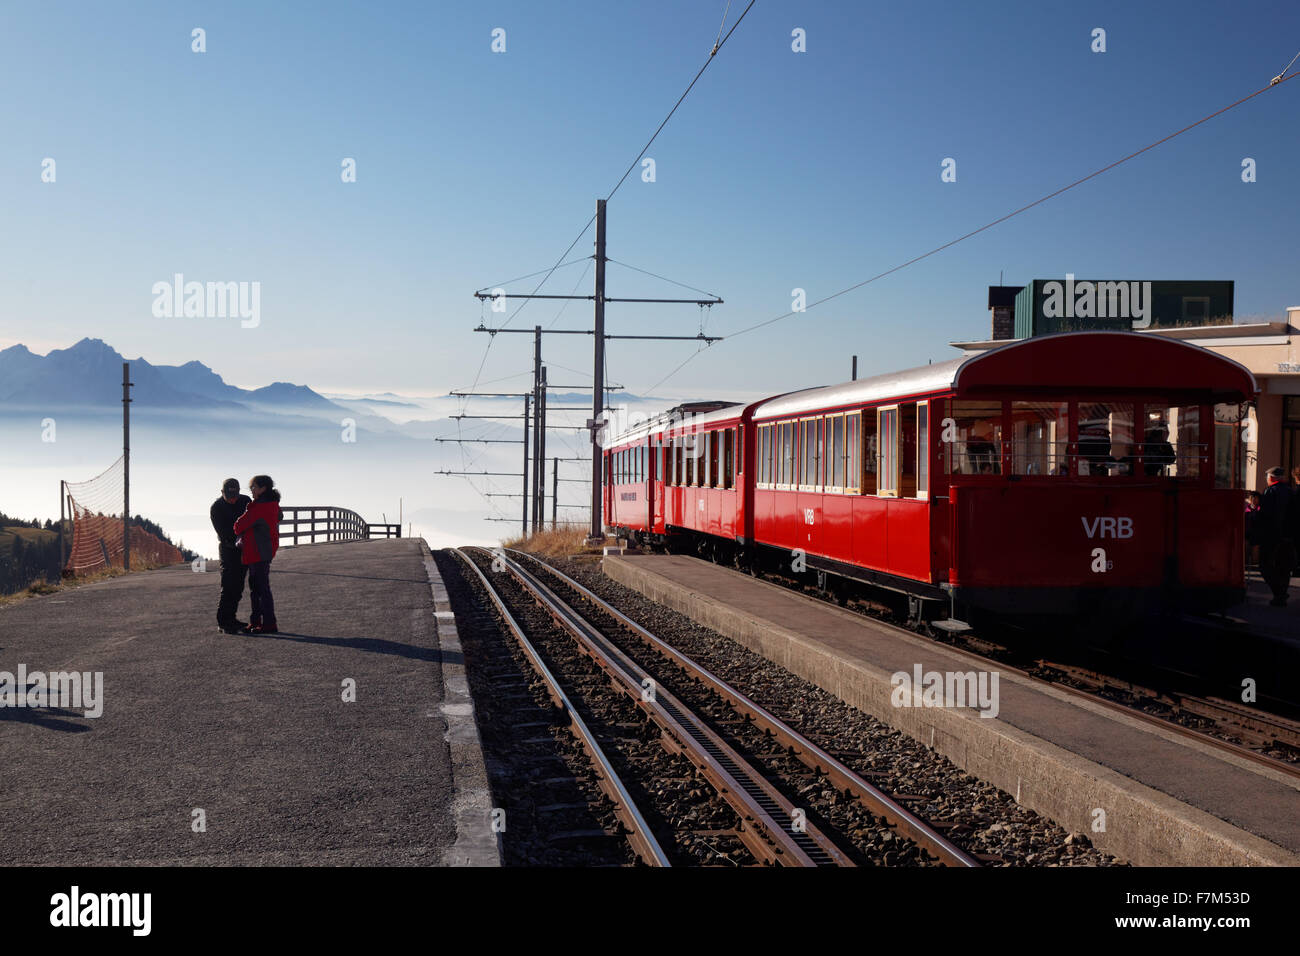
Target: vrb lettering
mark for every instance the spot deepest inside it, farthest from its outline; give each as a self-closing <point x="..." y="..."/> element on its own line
<point x="1105" y="526"/>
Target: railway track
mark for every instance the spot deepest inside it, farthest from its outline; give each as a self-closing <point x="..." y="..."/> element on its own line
<point x="639" y="835"/>
<point x="764" y="820"/>
<point x="1231" y="728"/>
<point x="650" y="652"/>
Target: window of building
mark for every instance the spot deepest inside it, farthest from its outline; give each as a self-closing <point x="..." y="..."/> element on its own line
<point x="887" y="469"/>
<point x="975" y="447"/>
<point x="1040" y="438"/>
<point x="1196" y="308"/>
<point x="1290" y="434"/>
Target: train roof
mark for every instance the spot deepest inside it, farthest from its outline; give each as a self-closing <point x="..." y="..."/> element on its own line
<point x="695" y="414"/>
<point x="1078" y="361"/>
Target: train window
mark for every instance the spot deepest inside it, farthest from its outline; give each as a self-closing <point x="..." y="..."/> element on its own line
<point x="1106" y="445"/>
<point x="739" y="457"/>
<point x="922" y="449"/>
<point x="796" y="473"/>
<point x="1189" y="451"/>
<point x="701" y="459"/>
<point x="976" y="445"/>
<point x="887" y="468"/>
<point x="870" y="449"/>
<point x="715" y="459"/>
<point x="679" y="469"/>
<point x="785" y="454"/>
<point x="819" y="461"/>
<point x="907" y="450"/>
<point x="853" y="453"/>
<point x="804" y="445"/>
<point x="835" y="462"/>
<point x="764" y="454"/>
<point x="1229" y="447"/>
<point x="1040" y="438"/>
<point x="729" y="458"/>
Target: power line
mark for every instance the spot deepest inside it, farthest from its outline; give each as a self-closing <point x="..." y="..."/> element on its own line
<point x="571" y="262"/>
<point x="664" y="278"/>
<point x="712" y="53"/>
<point x="1001" y="219"/>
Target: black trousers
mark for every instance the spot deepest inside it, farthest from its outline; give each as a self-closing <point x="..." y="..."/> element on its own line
<point x="233" y="572"/>
<point x="1275" y="561"/>
<point x="259" y="590"/>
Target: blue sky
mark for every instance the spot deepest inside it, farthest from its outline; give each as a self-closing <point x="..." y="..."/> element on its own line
<point x="781" y="170"/>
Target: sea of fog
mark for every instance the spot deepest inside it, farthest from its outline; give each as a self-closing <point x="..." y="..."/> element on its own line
<point x="179" y="459"/>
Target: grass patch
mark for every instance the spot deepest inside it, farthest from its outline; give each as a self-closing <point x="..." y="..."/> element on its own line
<point x="563" y="542"/>
<point x="42" y="587"/>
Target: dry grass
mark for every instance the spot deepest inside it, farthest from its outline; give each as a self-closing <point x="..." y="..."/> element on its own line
<point x="560" y="543"/>
<point x="42" y="587"/>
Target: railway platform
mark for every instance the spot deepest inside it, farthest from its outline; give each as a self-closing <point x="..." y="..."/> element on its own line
<point x="1273" y="625"/>
<point x="1140" y="791"/>
<point x="346" y="739"/>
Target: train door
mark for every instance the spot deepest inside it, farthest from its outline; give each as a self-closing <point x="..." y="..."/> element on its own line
<point x="648" y="472"/>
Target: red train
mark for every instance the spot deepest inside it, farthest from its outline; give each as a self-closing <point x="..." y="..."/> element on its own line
<point x="1068" y="474"/>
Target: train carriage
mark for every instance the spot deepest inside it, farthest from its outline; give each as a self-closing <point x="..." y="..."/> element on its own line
<point x="1096" y="472"/>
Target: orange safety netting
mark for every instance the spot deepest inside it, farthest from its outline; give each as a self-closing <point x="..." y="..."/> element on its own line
<point x="97" y="528"/>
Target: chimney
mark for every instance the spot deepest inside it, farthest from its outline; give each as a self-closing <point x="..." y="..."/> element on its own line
<point x="1002" y="310"/>
<point x="1293" y="316"/>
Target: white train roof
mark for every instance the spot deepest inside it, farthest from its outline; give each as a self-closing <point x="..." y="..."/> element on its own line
<point x="912" y="381"/>
<point x="695" y="414"/>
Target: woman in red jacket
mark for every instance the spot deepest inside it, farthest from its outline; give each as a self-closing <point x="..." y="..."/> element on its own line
<point x="259" y="530"/>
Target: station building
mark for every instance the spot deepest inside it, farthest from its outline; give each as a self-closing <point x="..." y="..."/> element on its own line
<point x="1197" y="312"/>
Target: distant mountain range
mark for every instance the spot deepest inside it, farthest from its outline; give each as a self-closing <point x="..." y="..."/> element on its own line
<point x="90" y="373"/>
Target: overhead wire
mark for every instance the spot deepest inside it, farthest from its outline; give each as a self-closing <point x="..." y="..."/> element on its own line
<point x="1001" y="219"/>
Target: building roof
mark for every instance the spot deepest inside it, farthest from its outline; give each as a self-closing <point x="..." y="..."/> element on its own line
<point x="1243" y="330"/>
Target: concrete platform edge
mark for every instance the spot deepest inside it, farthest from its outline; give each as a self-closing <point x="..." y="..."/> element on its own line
<point x="476" y="844"/>
<point x="1143" y="825"/>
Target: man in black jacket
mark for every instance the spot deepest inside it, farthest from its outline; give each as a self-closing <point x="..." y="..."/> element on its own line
<point x="224" y="511"/>
<point x="1275" y="532"/>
